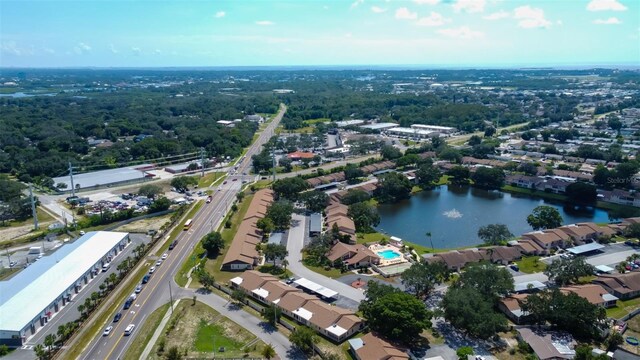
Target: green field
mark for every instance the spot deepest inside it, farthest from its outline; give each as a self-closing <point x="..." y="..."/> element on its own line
<point x="531" y="264"/>
<point x="622" y="308"/>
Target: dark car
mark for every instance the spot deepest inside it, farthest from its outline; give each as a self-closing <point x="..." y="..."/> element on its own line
<point x="127" y="304"/>
<point x="117" y="317"/>
<point x="173" y="244"/>
<point x="146" y="278"/>
<point x="514" y="267"/>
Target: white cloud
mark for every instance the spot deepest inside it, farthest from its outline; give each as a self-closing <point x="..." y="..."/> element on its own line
<point x="48" y="50"/>
<point x="356" y="3"/>
<point x="404" y="14"/>
<point x="434" y="19"/>
<point x="136" y="50"/>
<point x="462" y="32"/>
<point x="529" y="17"/>
<point x="426" y="2"/>
<point x="609" y="21"/>
<point x="497" y="15"/>
<point x="10" y="47"/>
<point x="470" y="6"/>
<point x="158" y="51"/>
<point x="377" y="9"/>
<point x="265" y="23"/>
<point x="81" y="48"/>
<point x="220" y="14"/>
<point x="604" y="5"/>
<point x="113" y="49"/>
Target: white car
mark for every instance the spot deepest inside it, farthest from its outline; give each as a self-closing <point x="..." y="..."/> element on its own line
<point x="82" y="233"/>
<point x="138" y="289"/>
<point x="107" y="331"/>
<point x="159" y="262"/>
<point x="164" y="256"/>
<point x="152" y="269"/>
<point x="129" y="329"/>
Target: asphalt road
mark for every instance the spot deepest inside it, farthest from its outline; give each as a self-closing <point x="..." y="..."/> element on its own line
<point x="295" y="245"/>
<point x="156" y="292"/>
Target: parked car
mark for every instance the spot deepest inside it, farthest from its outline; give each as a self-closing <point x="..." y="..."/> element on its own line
<point x="159" y="262"/>
<point x="514" y="267"/>
<point x="127" y="304"/>
<point x="107" y="331"/>
<point x="117" y="317"/>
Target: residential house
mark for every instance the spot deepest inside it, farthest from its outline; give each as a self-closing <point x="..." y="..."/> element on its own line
<point x="354" y="256"/>
<point x="529" y="182"/>
<point x="553" y="185"/>
<point x="457" y="259"/>
<point x="624" y="286"/>
<point x="504" y="255"/>
<point x="372" y="347"/>
<point x="549" y="239"/>
<point x="594" y="293"/>
<point x="548" y="345"/>
<point x="511" y="306"/>
<point x="529" y="247"/>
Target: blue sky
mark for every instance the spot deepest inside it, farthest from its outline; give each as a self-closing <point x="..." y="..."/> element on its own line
<point x="448" y="33"/>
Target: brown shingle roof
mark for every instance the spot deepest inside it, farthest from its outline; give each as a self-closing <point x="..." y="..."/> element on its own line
<point x="592" y="292"/>
<point x="621" y="283"/>
<point x="252" y="279"/>
<point x="375" y="348"/>
<point x="294" y="300"/>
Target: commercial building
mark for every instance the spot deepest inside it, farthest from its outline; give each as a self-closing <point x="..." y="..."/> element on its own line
<point x="411" y="133"/>
<point x="110" y="177"/>
<point x="434" y="128"/>
<point x="32" y="297"/>
<point x="380" y="126"/>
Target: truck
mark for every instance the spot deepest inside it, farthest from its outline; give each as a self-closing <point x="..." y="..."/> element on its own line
<point x="35" y="250"/>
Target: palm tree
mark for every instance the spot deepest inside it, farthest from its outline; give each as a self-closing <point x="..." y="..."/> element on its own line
<point x="102" y="288"/>
<point x="428" y="234"/>
<point x="49" y="340"/>
<point x="622" y="267"/>
<point x="62" y="332"/>
<point x="113" y="278"/>
<point x="268" y="351"/>
<point x="41" y="354"/>
<point x="284" y="263"/>
<point x="81" y="309"/>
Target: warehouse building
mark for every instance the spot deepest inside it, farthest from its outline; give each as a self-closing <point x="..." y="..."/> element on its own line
<point x="36" y="294"/>
<point x="105" y="178"/>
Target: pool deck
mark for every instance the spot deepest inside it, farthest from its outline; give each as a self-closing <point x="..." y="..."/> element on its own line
<point x="376" y="248"/>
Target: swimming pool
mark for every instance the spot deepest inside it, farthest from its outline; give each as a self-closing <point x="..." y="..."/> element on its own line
<point x="388" y="254"/>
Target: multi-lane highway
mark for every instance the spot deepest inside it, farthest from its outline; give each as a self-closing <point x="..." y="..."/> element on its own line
<point x="157" y="291"/>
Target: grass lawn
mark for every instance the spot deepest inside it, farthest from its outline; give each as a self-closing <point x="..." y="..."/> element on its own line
<point x="531" y="264"/>
<point x="144" y="334"/>
<point x="213" y="265"/>
<point x="197" y="327"/>
<point x="6" y="273"/>
<point x="363" y="238"/>
<point x="319" y="120"/>
<point x="208" y="179"/>
<point x="331" y="273"/>
<point x="622" y="308"/>
<point x="43" y="217"/>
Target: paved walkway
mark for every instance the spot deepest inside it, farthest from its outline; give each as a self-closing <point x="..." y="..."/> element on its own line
<point x="294" y="246"/>
<point x="158" y="332"/>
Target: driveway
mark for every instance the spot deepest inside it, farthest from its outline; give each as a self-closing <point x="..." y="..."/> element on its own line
<point x="294" y="246"/>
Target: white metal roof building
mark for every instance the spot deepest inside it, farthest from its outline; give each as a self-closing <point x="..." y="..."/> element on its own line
<point x="316" y="288"/>
<point x="380" y="126"/>
<point x="411" y="132"/>
<point x="440" y="129"/>
<point x="99" y="178"/>
<point x="29" y="299"/>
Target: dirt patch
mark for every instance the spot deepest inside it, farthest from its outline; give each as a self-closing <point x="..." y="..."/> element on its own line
<point x="358" y="284"/>
<point x="143" y="225"/>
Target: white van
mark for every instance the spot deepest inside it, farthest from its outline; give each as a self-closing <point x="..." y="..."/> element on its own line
<point x="129" y="329"/>
<point x="106" y="267"/>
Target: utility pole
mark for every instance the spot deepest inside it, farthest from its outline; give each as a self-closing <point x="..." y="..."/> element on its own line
<point x="273" y="157"/>
<point x="202" y="160"/>
<point x="33" y="208"/>
<point x="73" y="188"/>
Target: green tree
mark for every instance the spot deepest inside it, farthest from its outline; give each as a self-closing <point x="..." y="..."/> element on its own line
<point x="289" y="188"/>
<point x="393" y="187"/>
<point x="205" y="279"/>
<point x="49" y="342"/>
<point x="544" y="217"/>
<point x="286" y="164"/>
<point x="266" y="226"/>
<point x="173" y="353"/>
<point x="182" y="183"/>
<point x="4" y="350"/>
<point x="632" y="231"/>
<point x="240" y="196"/>
<point x="464" y="352"/>
<point x="272" y="314"/>
<point x="615" y="123"/>
<point x="394" y="314"/>
<point x="450" y="154"/>
<point x="581" y="193"/>
<point x="390" y="152"/>
<point x="268" y="352"/>
<point x="274" y="252"/>
<point x="427" y="175"/>
<point x="364" y="215"/>
<point x="489" y="280"/>
<point x="459" y="175"/>
<point x="213" y="243"/>
<point x="303" y="338"/>
<point x="474" y="140"/>
<point x="468" y="309"/>
<point x="160" y="204"/>
<point x="315" y="201"/>
<point x="40" y="351"/>
<point x="355" y="196"/>
<point x="150" y="190"/>
<point x="488" y="178"/>
<point x="280" y="214"/>
<point x="613" y="341"/>
<point x="422" y="277"/>
<point x="494" y="234"/>
<point x="565" y="271"/>
<point x="352" y="173"/>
